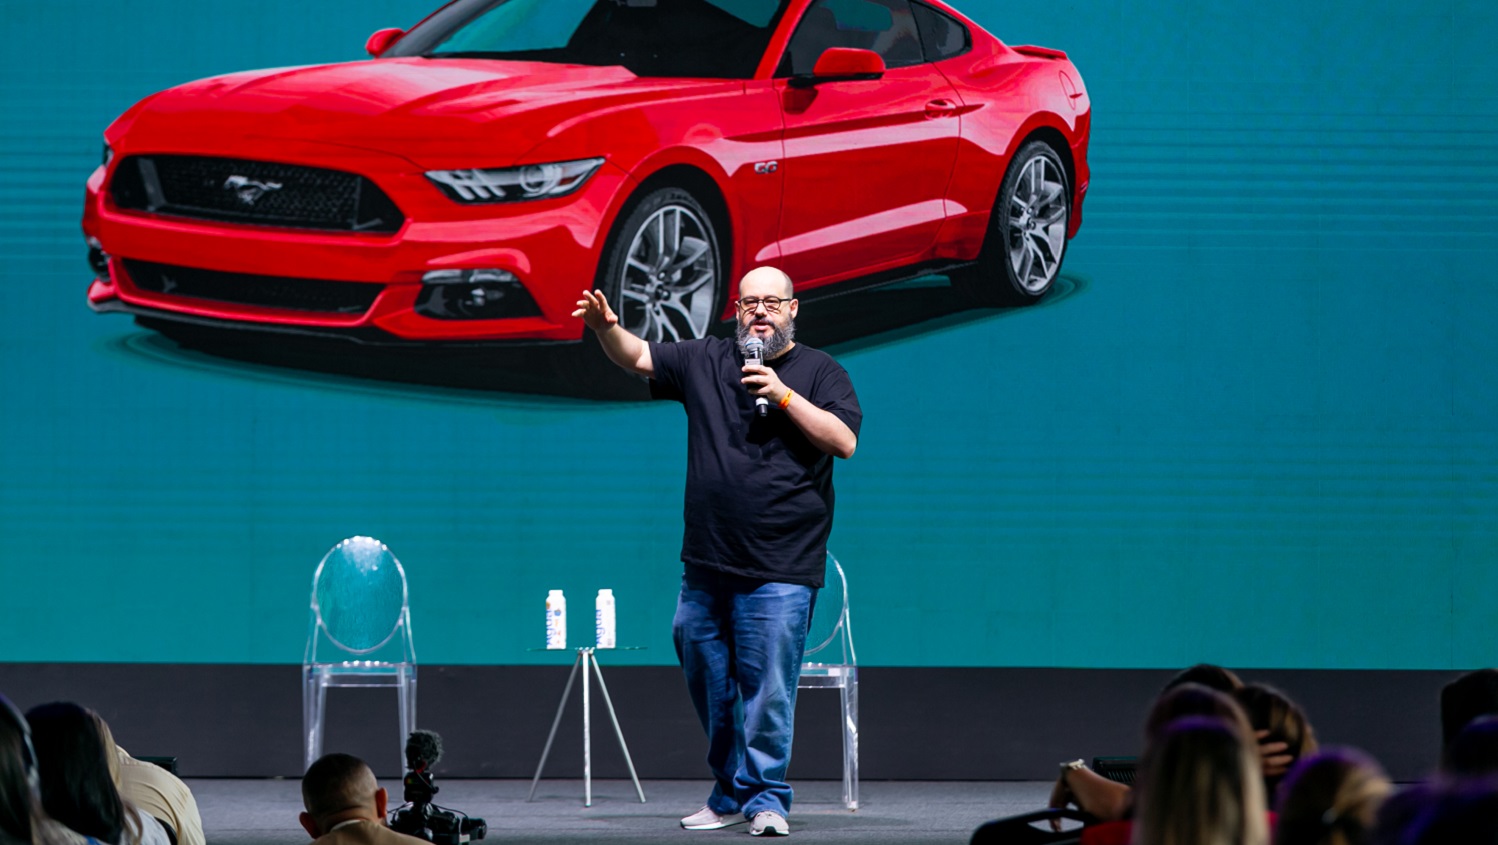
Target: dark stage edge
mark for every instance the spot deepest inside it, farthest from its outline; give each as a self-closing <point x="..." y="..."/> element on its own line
<point x="915" y="723"/>
<point x="264" y="812"/>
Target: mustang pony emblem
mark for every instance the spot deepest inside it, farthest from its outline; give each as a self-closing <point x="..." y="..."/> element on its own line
<point x="248" y="190"/>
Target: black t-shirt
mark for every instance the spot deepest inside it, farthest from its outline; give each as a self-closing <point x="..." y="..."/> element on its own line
<point x="759" y="494"/>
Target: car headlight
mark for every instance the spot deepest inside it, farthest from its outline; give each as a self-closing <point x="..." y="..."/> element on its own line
<point x="513" y="184"/>
<point x="108" y="154"/>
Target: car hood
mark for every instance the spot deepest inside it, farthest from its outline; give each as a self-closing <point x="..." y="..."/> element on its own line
<point x="436" y="113"/>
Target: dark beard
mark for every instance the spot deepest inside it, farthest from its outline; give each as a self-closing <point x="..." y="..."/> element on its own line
<point x="775" y="344"/>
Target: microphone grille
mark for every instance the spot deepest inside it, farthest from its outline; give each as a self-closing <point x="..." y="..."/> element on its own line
<point x="424" y="745"/>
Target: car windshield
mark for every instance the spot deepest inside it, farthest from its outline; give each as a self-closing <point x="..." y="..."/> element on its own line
<point x="721" y="39"/>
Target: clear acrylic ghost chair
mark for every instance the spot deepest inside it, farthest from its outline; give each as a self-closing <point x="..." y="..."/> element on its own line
<point x="359" y="634"/>
<point x="830" y="663"/>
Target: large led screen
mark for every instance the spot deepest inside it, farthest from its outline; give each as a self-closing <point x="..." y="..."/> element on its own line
<point x="1253" y="423"/>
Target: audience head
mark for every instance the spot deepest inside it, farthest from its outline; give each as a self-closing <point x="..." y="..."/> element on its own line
<point x="339" y="788"/>
<point x="1466" y="698"/>
<point x="1200" y="785"/>
<point x="73" y="764"/>
<point x="1473" y="752"/>
<point x="1192" y="699"/>
<point x="1209" y="676"/>
<point x="1399" y="811"/>
<point x="1331" y="798"/>
<point x="1459" y="813"/>
<point x="18" y="787"/>
<point x="1280" y="719"/>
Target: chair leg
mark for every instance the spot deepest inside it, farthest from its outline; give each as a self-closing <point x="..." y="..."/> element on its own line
<point x="850" y="739"/>
<point x="314" y="695"/>
<point x="407" y="694"/>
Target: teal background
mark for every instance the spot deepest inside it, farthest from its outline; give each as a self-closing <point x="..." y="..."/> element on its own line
<point x="1257" y="427"/>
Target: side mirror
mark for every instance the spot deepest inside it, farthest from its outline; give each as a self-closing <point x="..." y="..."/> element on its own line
<point x="839" y="64"/>
<point x="382" y="39"/>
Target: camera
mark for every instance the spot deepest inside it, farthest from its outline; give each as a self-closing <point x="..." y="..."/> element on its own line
<point x="421" y="818"/>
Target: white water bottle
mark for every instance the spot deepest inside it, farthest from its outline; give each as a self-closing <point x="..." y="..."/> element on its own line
<point x="603" y="619"/>
<point x="556" y="620"/>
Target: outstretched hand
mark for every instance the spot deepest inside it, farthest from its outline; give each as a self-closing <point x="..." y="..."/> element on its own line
<point x="595" y="311"/>
<point x="621" y="347"/>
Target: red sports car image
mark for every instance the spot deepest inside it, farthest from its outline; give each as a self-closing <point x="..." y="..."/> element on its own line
<point x="486" y="165"/>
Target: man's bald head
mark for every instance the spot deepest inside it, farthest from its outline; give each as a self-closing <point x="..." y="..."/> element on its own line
<point x="767" y="281"/>
<point x="774" y="327"/>
<point x="340" y="784"/>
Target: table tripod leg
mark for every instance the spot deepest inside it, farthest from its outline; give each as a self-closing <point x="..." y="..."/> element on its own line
<point x="587" y="657"/>
<point x="572" y="676"/>
<point x="603" y="688"/>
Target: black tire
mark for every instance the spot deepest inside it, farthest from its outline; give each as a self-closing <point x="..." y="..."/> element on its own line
<point x="1026" y="239"/>
<point x="682" y="296"/>
<point x="649" y="306"/>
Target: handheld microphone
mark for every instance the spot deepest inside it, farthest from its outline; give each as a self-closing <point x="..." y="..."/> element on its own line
<point x="754" y="355"/>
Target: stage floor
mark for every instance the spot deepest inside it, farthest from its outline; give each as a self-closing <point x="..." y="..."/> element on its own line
<point x="264" y="812"/>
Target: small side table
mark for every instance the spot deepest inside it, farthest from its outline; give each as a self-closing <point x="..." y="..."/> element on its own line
<point x="585" y="659"/>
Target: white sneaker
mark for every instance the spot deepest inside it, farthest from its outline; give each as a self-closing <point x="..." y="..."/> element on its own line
<point x="768" y="823"/>
<point x="706" y="819"/>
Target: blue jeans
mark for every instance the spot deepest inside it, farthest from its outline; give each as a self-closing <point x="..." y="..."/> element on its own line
<point x="740" y="642"/>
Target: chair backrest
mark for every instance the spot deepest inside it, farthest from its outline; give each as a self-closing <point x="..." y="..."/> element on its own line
<point x="1117" y="769"/>
<point x="829" y="638"/>
<point x="360" y="606"/>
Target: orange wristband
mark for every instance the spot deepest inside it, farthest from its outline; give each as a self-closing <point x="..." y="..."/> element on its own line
<point x="787" y="400"/>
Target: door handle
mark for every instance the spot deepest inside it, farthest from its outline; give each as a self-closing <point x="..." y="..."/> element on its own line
<point x="940" y="108"/>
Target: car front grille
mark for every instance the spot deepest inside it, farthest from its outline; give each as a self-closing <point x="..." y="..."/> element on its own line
<point x="256" y="192"/>
<point x="320" y="295"/>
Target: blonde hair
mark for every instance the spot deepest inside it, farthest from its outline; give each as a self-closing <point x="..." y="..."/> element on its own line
<point x="1331" y="798"/>
<point x="1201" y="786"/>
<point x="134" y="830"/>
<point x="111" y="751"/>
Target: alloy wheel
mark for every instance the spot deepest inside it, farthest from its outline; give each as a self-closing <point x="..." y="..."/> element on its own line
<point x="669" y="279"/>
<point x="1037" y="223"/>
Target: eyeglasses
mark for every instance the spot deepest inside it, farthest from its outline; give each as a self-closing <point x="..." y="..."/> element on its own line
<point x="751" y="303"/>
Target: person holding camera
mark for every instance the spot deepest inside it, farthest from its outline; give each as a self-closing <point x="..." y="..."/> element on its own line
<point x="765" y="418"/>
<point x="345" y="805"/>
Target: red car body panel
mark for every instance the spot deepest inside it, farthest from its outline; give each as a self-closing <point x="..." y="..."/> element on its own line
<point x="891" y="164"/>
<point x="868" y="176"/>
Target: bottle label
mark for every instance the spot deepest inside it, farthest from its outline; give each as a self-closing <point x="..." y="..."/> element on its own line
<point x="556" y="626"/>
<point x="603" y="622"/>
<point x="604" y="629"/>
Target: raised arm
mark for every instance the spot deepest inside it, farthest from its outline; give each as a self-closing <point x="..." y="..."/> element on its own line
<point x="623" y="348"/>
